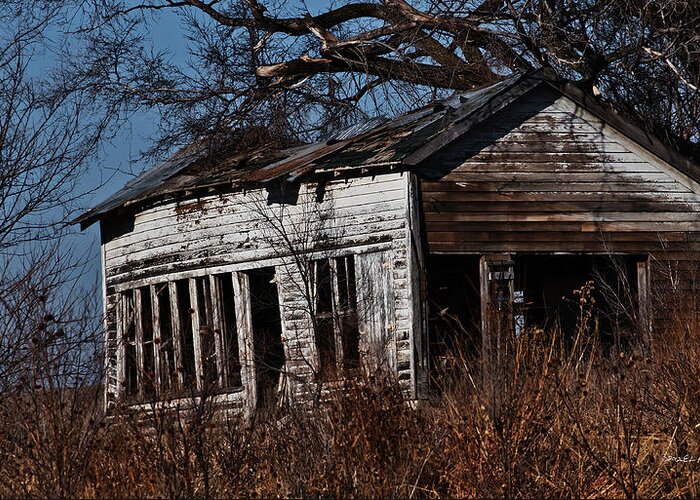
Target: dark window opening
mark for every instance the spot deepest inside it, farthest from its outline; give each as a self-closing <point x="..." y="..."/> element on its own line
<point x="267" y="335"/>
<point x="347" y="312"/>
<point x="229" y="332"/>
<point x="336" y="325"/>
<point x="206" y="330"/>
<point x="184" y="306"/>
<point x="129" y="339"/>
<point x="148" y="371"/>
<point x="325" y="331"/>
<point x="159" y="355"/>
<point x="168" y="370"/>
<point x="547" y="293"/>
<point x="551" y="290"/>
<point x="131" y="370"/>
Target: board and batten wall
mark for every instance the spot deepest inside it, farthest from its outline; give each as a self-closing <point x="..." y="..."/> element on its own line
<point x="544" y="175"/>
<point x="237" y="231"/>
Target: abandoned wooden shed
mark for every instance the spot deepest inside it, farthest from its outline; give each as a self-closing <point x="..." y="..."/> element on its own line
<point x="263" y="274"/>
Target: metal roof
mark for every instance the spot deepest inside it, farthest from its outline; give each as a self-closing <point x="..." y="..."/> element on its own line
<point x="404" y="140"/>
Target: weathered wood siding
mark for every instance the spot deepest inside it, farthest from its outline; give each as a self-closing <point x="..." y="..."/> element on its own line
<point x="239" y="230"/>
<point x="544" y="175"/>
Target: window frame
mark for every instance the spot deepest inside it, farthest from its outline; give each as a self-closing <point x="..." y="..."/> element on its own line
<point x="130" y="316"/>
<point x="339" y="313"/>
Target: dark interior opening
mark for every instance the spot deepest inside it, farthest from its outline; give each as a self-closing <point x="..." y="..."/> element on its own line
<point x="149" y="368"/>
<point x="206" y="331"/>
<point x="184" y="305"/>
<point x="168" y="372"/>
<point x="547" y="294"/>
<point x="229" y="330"/>
<point x="325" y="331"/>
<point x="347" y="312"/>
<point x="267" y="335"/>
<point x="553" y="289"/>
<point x="454" y="310"/>
<point x="129" y="338"/>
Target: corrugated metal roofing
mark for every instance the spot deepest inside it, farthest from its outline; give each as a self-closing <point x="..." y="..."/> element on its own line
<point x="376" y="141"/>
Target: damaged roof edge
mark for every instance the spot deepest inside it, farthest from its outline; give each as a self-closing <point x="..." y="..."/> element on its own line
<point x="479" y="106"/>
<point x="155" y="175"/>
<point x="464" y="111"/>
<point x="299" y="163"/>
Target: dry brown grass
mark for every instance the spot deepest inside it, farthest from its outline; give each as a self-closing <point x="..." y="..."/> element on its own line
<point x="577" y="423"/>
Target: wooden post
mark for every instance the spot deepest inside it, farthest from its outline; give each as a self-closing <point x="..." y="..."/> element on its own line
<point x="155" y="313"/>
<point x="121" y="345"/>
<point x="138" y="324"/>
<point x="496" y="279"/>
<point x="177" y="334"/>
<point x="218" y="326"/>
<point x="196" y="335"/>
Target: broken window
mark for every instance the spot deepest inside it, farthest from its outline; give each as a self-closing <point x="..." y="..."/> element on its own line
<point x="173" y="331"/>
<point x="184" y="306"/>
<point x="128" y="334"/>
<point x="555" y="288"/>
<point x="231" y="364"/>
<point x="476" y="302"/>
<point x="206" y="327"/>
<point x="147" y="367"/>
<point x="335" y="316"/>
<point x="166" y="345"/>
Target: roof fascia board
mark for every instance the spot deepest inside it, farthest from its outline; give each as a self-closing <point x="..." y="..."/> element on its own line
<point x="459" y="128"/>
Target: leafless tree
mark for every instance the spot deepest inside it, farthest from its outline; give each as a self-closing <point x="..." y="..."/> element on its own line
<point x="269" y="63"/>
<point x="46" y="136"/>
<point x="49" y="329"/>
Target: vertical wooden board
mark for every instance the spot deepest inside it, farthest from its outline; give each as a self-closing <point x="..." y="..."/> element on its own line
<point x="419" y="369"/>
<point x="644" y="296"/>
<point x="297" y="322"/>
<point x="121" y="345"/>
<point x="339" y="354"/>
<point x="218" y="326"/>
<point x="496" y="278"/>
<point x="283" y="386"/>
<point x="177" y="333"/>
<point x="196" y="335"/>
<point x="109" y="325"/>
<point x="376" y="309"/>
<point x="155" y="310"/>
<point x="138" y="323"/>
<point x="244" y="324"/>
<point x="111" y="376"/>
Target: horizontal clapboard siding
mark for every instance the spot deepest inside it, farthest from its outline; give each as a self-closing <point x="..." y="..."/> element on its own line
<point x="545" y="176"/>
<point x="542" y="175"/>
<point x="241" y="227"/>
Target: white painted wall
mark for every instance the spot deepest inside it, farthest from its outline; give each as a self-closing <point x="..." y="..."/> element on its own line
<point x="237" y="231"/>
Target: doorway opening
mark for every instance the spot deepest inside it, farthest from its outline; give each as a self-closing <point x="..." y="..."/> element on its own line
<point x="267" y="336"/>
<point x="454" y="313"/>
